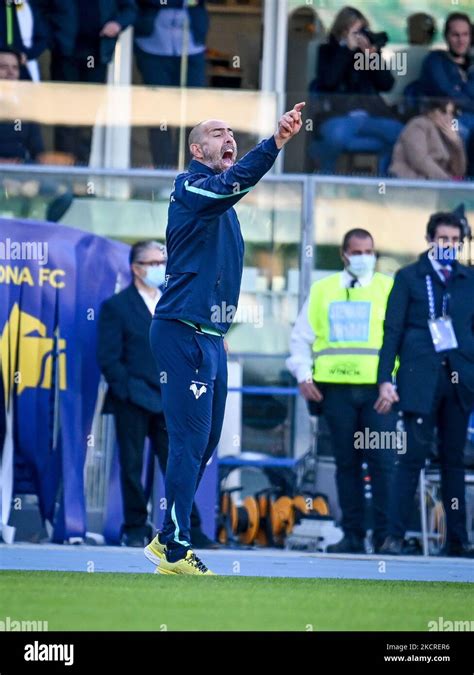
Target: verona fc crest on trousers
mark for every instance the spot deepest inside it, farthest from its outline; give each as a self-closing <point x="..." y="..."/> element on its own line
<point x="198" y="391"/>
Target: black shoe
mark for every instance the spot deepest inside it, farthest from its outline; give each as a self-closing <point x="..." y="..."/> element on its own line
<point x="134" y="540"/>
<point x="392" y="546"/>
<point x="200" y="540"/>
<point x="457" y="551"/>
<point x="348" y="544"/>
<point x="377" y="544"/>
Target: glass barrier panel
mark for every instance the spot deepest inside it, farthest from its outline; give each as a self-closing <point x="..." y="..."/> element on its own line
<point x="395" y="212"/>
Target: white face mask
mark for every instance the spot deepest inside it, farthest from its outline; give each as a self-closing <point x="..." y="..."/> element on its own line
<point x="361" y="265"/>
<point x="155" y="276"/>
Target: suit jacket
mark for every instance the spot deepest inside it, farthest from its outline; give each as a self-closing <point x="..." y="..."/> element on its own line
<point x="124" y="352"/>
<point x="62" y="20"/>
<point x="407" y="335"/>
<point x="24" y="144"/>
<point x="39" y="38"/>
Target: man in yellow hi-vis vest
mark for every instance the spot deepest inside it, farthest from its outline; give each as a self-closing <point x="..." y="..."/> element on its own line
<point x="334" y="356"/>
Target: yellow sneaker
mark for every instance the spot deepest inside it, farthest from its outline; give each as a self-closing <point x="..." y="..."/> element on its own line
<point x="191" y="564"/>
<point x="155" y="551"/>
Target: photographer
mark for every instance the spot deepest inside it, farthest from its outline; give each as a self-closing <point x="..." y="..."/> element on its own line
<point x="352" y="115"/>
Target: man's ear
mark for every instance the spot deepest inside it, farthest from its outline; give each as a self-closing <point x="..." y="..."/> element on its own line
<point x="135" y="269"/>
<point x="196" y="150"/>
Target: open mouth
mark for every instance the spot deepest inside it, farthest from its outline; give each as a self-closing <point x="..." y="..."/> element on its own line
<point x="228" y="156"/>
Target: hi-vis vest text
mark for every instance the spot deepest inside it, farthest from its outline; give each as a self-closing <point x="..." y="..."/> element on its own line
<point x="348" y="324"/>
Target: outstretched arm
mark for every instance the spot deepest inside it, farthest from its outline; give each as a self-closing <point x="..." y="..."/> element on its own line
<point x="215" y="194"/>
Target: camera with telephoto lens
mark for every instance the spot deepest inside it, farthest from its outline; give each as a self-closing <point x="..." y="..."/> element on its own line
<point x="378" y="40"/>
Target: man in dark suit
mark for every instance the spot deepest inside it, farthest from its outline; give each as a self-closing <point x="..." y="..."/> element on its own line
<point x="81" y="29"/>
<point x="82" y="35"/>
<point x="429" y="324"/>
<point x="133" y="395"/>
<point x="22" y="30"/>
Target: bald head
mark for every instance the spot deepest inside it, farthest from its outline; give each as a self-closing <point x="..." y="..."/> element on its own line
<point x="212" y="143"/>
<point x="199" y="132"/>
<point x="195" y="134"/>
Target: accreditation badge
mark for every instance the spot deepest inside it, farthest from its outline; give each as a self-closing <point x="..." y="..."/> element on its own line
<point x="442" y="333"/>
<point x="349" y="321"/>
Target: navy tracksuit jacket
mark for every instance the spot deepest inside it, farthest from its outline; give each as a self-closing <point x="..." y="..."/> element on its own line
<point x="204" y="271"/>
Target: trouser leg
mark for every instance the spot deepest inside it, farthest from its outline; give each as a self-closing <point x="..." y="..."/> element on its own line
<point x="131" y="424"/>
<point x="190" y="361"/>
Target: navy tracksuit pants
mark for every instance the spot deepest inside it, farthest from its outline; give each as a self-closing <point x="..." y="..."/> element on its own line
<point x="193" y="380"/>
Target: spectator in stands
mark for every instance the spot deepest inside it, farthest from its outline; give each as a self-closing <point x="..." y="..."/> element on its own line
<point x="429" y="326"/>
<point x="161" y="41"/>
<point x="421" y="29"/>
<point x="133" y="396"/>
<point x="334" y="357"/>
<point x="430" y="146"/>
<point x="450" y="74"/>
<point x="354" y="116"/>
<point x="20" y="141"/>
<point x="83" y="34"/>
<point x="22" y="29"/>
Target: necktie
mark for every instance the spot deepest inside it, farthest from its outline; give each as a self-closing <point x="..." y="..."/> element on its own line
<point x="446" y="274"/>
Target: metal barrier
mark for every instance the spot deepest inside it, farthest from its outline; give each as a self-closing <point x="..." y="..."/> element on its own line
<point x="313" y="190"/>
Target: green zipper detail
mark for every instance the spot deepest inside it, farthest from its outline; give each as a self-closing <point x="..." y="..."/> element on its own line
<point x="204" y="329"/>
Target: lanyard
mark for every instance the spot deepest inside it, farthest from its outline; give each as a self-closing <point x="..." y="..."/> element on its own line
<point x="431" y="300"/>
<point x="9" y="19"/>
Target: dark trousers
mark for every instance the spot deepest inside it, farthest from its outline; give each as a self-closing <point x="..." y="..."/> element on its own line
<point x="133" y="425"/>
<point x="451" y="420"/>
<point x="76" y="139"/>
<point x="193" y="377"/>
<point x="166" y="71"/>
<point x="349" y="409"/>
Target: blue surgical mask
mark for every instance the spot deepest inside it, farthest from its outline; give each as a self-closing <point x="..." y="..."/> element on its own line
<point x="445" y="255"/>
<point x="155" y="276"/>
<point x="361" y="265"/>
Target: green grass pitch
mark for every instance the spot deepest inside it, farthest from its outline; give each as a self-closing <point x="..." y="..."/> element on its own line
<point x="103" y="601"/>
